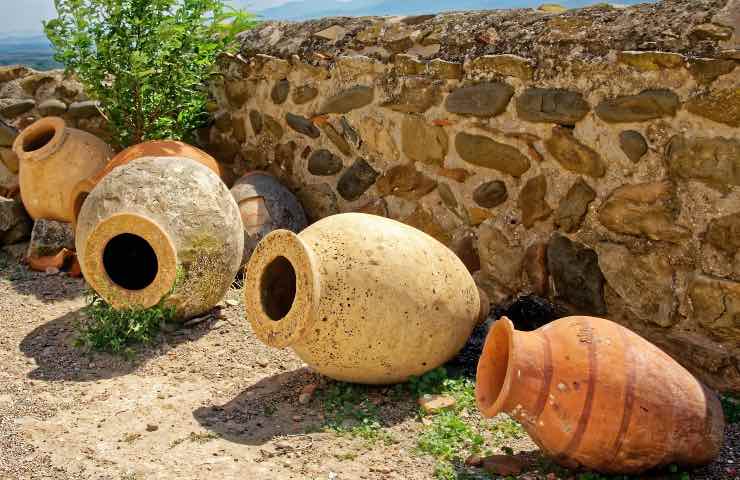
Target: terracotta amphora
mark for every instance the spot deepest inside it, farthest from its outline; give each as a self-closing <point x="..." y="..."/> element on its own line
<point x="592" y="393"/>
<point x="266" y="205"/>
<point x="154" y="148"/>
<point x="361" y="298"/>
<point x="54" y="158"/>
<point x="160" y="230"/>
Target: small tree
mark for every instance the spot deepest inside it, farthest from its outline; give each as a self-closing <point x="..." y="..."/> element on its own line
<point x="146" y="61"/>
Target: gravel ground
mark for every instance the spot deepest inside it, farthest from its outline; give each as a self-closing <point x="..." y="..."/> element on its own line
<point x="204" y="402"/>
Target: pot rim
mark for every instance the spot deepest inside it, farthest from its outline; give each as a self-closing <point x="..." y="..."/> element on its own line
<point x="52" y="146"/>
<point x="279" y="247"/>
<point x="491" y="390"/>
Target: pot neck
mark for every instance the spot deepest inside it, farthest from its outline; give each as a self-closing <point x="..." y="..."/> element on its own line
<point x="282" y="289"/>
<point x="41" y="140"/>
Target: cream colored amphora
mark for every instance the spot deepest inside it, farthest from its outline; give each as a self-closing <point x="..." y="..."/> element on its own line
<point x="362" y="298"/>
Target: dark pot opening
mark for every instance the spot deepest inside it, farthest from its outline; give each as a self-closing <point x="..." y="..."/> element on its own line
<point x="130" y="262"/>
<point x="278" y="288"/>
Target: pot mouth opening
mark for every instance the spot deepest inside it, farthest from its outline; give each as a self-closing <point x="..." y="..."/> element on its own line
<point x="280" y="289"/>
<point x="41" y="138"/>
<point x="493" y="378"/>
<point x="130" y="261"/>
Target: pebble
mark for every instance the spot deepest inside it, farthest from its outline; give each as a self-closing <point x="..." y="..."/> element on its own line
<point x="307" y="393"/>
<point x="503" y="465"/>
<point x="152" y="428"/>
<point x="52" y="271"/>
<point x="436" y="403"/>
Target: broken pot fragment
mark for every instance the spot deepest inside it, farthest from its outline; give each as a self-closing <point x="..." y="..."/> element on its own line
<point x="361" y="298"/>
<point x="592" y="393"/>
<point x="176" y="238"/>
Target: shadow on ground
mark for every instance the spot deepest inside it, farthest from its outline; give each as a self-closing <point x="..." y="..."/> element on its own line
<point x="47" y="288"/>
<point x="51" y="345"/>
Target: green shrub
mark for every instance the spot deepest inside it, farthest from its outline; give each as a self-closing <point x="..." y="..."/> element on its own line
<point x="109" y="330"/>
<point x="146" y="61"/>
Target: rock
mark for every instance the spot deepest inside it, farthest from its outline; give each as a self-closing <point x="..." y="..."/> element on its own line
<point x="336" y="138"/>
<point x="417" y="95"/>
<point x="13" y="72"/>
<point x="633" y="145"/>
<point x="280" y="92"/>
<point x="302" y="125"/>
<point x="255" y="119"/>
<point x="651" y="61"/>
<point x="488" y="153"/>
<point x="377" y="207"/>
<point x="405" y="181"/>
<point x="432" y="404"/>
<point x="7" y="134"/>
<point x="9" y="160"/>
<point x="15" y="226"/>
<point x="715" y="305"/>
<point x="645" y="283"/>
<point x="710" y="31"/>
<point x="448" y="197"/>
<point x="16" y="108"/>
<point x="721" y="106"/>
<point x="274" y="127"/>
<point x="474" y="461"/>
<point x="356" y="180"/>
<point x="52" y="108"/>
<point x="348" y="100"/>
<point x="378" y="138"/>
<point x="86" y="109"/>
<point x="425" y="221"/>
<point x="304" y="94"/>
<point x="532" y="201"/>
<point x="463" y="243"/>
<point x="318" y="200"/>
<point x="284" y="158"/>
<point x="648" y="105"/>
<point x="239" y="129"/>
<point x="573" y="155"/>
<point x="707" y="70"/>
<point x="501" y="262"/>
<point x="574" y="206"/>
<point x="554" y="105"/>
<point x="237" y="92"/>
<point x="152" y="428"/>
<point x="724" y="233"/>
<point x="334" y="33"/>
<point x="535" y="267"/>
<point x="49" y="237"/>
<point x="576" y="275"/>
<point x="324" y="163"/>
<point x="491" y="194"/>
<point x="503" y="465"/>
<point x="422" y="142"/>
<point x="644" y="210"/>
<point x="444" y="70"/>
<point x="507" y="65"/>
<point x="223" y="120"/>
<point x="406" y="65"/>
<point x="483" y="100"/>
<point x="715" y="161"/>
<point x="476" y="215"/>
<point x="307" y="393"/>
<point x="551" y="8"/>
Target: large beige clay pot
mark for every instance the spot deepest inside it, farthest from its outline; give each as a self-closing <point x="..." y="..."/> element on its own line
<point x="592" y="393"/>
<point x="154" y="148"/>
<point x="53" y="160"/>
<point x="361" y="298"/>
<point x="160" y="229"/>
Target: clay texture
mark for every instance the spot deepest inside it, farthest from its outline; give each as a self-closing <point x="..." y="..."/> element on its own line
<point x="594" y="394"/>
<point x="184" y="213"/>
<point x="361" y="298"/>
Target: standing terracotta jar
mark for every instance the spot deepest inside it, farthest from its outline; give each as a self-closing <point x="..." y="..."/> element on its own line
<point x="53" y="160"/>
<point x="592" y="393"/>
<point x="361" y="298"/>
<point x="266" y="205"/>
<point x="155" y="148"/>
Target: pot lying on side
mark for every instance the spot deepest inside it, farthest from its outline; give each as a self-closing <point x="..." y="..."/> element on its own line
<point x="155" y="148"/>
<point x="53" y="160"/>
<point x="362" y="298"/>
<point x="266" y="205"/>
<point x="161" y="229"/>
<point x="592" y="393"/>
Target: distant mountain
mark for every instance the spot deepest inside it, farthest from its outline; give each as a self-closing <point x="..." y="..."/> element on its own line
<point x="32" y="50"/>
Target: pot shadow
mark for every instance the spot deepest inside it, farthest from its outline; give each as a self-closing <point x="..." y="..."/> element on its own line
<point x="269" y="409"/>
<point x="52" y="347"/>
<point x="47" y="288"/>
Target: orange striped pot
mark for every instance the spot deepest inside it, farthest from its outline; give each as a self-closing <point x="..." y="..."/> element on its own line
<point x="592" y="393"/>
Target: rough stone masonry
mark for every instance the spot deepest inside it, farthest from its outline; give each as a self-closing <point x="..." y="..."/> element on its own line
<point x="591" y="156"/>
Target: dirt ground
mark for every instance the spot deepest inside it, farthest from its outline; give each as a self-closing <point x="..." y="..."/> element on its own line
<point x="203" y="402"/>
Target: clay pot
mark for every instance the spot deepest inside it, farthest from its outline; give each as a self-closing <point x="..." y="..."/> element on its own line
<point x="592" y="393"/>
<point x="361" y="298"/>
<point x="53" y="160"/>
<point x="266" y="205"/>
<point x="160" y="229"/>
<point x="155" y="148"/>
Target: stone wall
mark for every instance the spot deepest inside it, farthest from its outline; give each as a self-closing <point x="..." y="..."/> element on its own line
<point x="591" y="156"/>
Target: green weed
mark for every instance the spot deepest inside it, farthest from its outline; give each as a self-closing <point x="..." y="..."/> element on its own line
<point x="348" y="411"/>
<point x="115" y="331"/>
<point x="731" y="406"/>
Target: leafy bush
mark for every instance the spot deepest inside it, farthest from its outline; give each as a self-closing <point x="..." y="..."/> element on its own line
<point x="146" y="61"/>
<point x="110" y="330"/>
